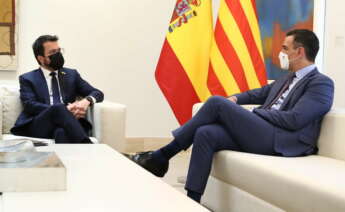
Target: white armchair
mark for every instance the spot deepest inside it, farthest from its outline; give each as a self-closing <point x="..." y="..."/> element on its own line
<point x="108" y="119"/>
<point x="250" y="182"/>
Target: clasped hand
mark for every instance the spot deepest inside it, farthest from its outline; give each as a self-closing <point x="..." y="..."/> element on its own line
<point x="233" y="99"/>
<point x="78" y="108"/>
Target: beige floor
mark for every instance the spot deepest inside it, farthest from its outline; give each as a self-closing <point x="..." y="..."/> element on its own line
<point x="178" y="165"/>
<point x="178" y="168"/>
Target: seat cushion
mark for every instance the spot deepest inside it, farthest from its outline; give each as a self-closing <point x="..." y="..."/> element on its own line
<point x="44" y="140"/>
<point x="11" y="107"/>
<point x="312" y="183"/>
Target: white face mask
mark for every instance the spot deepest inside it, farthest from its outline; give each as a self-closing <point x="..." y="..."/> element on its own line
<point x="284" y="61"/>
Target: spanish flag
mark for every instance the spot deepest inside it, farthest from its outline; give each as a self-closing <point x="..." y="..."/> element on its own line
<point x="197" y="62"/>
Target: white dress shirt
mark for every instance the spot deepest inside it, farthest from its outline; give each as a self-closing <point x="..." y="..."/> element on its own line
<point x="48" y="78"/>
<point x="299" y="75"/>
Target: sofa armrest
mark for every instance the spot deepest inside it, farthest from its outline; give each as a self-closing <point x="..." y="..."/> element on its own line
<point x="197" y="107"/>
<point x="332" y="134"/>
<point x="250" y="107"/>
<point x="1" y="121"/>
<point x="109" y="124"/>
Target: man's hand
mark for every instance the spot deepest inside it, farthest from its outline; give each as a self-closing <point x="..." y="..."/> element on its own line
<point x="82" y="106"/>
<point x="71" y="107"/>
<point x="79" y="108"/>
<point x="233" y="99"/>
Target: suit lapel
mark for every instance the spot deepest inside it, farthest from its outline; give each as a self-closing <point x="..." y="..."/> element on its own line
<point x="275" y="90"/>
<point x="299" y="83"/>
<point x="42" y="85"/>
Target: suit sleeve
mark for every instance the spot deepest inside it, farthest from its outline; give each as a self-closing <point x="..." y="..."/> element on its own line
<point x="29" y="99"/>
<point x="313" y="104"/>
<point x="255" y="96"/>
<point x="85" y="89"/>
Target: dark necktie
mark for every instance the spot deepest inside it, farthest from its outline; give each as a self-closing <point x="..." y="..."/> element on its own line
<point x="282" y="90"/>
<point x="55" y="89"/>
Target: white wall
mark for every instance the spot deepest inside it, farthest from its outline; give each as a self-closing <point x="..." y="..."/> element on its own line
<point x="334" y="61"/>
<point x="116" y="44"/>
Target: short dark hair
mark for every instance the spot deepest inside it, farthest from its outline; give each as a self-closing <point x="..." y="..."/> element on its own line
<point x="37" y="46"/>
<point x="306" y="39"/>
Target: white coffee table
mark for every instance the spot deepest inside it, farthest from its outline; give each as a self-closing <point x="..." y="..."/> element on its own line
<point x="101" y="179"/>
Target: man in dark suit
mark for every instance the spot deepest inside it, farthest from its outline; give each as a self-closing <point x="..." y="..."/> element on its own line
<point x="287" y="124"/>
<point x="49" y="97"/>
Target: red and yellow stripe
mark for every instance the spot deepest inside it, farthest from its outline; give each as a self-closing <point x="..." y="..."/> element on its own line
<point x="182" y="69"/>
<point x="237" y="63"/>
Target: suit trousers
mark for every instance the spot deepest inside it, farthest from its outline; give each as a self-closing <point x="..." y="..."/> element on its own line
<point x="221" y="125"/>
<point x="58" y="123"/>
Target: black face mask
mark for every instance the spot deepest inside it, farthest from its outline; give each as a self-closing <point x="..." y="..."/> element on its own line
<point x="56" y="61"/>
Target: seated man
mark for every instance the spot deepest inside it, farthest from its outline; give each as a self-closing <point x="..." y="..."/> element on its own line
<point x="287" y="124"/>
<point x="49" y="97"/>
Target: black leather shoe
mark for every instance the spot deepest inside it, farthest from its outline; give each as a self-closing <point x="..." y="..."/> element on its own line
<point x="145" y="160"/>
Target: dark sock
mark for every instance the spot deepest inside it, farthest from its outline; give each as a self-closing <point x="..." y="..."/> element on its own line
<point x="167" y="152"/>
<point x="194" y="195"/>
<point x="171" y="149"/>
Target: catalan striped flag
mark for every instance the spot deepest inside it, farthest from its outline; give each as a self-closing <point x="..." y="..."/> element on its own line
<point x="236" y="61"/>
<point x="197" y="62"/>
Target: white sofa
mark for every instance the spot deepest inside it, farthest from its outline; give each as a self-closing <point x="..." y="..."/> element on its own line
<point x="244" y="182"/>
<point x="108" y="119"/>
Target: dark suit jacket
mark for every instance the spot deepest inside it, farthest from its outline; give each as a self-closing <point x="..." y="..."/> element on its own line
<point x="35" y="96"/>
<point x="298" y="120"/>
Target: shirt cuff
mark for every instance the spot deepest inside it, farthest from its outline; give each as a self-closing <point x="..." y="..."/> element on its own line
<point x="93" y="99"/>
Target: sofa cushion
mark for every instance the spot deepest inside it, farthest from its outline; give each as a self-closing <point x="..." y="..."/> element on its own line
<point x="11" y="107"/>
<point x="33" y="139"/>
<point x="15" y="137"/>
<point x="331" y="130"/>
<point x="0" y="120"/>
<point x="312" y="183"/>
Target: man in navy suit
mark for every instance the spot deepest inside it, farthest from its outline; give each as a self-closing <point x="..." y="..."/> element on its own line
<point x="49" y="97"/>
<point x="287" y="124"/>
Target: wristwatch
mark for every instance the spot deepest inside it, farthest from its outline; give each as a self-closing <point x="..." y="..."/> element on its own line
<point x="89" y="98"/>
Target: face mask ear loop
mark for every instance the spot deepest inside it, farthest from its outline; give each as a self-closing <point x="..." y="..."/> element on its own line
<point x="284" y="61"/>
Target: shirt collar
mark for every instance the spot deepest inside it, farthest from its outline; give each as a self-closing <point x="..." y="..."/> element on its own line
<point x="46" y="72"/>
<point x="304" y="71"/>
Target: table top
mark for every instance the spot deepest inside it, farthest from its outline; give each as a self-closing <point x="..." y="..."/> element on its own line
<point x="100" y="179"/>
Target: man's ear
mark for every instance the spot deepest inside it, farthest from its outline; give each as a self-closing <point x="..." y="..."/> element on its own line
<point x="41" y="59"/>
<point x="301" y="51"/>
